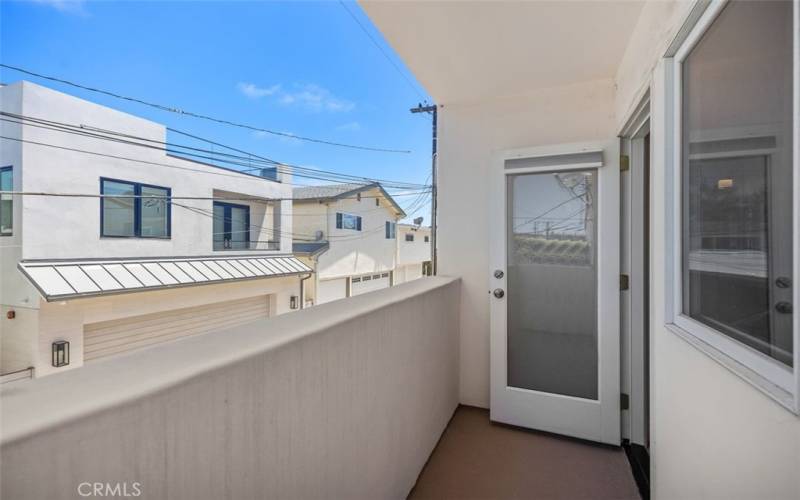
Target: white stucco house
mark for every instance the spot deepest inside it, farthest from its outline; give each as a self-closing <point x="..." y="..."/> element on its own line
<point x="348" y="234"/>
<point x="413" y="253"/>
<point x="618" y="196"/>
<point x="140" y="247"/>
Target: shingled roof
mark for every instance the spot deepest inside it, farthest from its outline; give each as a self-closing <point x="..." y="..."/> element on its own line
<point x="332" y="192"/>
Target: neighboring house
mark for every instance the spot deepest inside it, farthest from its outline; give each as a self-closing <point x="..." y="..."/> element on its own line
<point x="211" y="247"/>
<point x="346" y="233"/>
<point x="413" y="253"/>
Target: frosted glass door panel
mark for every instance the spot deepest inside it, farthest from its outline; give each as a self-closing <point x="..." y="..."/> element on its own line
<point x="552" y="283"/>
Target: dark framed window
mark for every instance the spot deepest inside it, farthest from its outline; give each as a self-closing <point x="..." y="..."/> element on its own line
<point x="134" y="210"/>
<point x="231" y="226"/>
<point x="409" y="237"/>
<point x="391" y="230"/>
<point x="348" y="221"/>
<point x="427" y="239"/>
<point x="6" y="202"/>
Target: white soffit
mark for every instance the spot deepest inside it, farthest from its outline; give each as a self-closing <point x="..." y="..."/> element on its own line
<point x="469" y="51"/>
<point x="62" y="280"/>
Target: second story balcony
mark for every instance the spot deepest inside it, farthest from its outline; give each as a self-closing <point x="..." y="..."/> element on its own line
<point x="344" y="400"/>
<point x="244" y="222"/>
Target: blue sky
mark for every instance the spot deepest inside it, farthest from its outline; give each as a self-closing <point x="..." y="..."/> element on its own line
<point x="304" y="68"/>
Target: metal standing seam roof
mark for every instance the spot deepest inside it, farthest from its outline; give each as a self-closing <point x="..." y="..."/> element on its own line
<point x="62" y="280"/>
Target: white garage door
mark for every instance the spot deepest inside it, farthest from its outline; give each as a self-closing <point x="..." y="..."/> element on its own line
<point x="369" y="283"/>
<point x="113" y="337"/>
<point x="329" y="290"/>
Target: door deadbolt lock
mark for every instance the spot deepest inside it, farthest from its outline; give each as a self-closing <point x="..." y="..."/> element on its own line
<point x="498" y="274"/>
<point x="783" y="282"/>
<point x="499" y="293"/>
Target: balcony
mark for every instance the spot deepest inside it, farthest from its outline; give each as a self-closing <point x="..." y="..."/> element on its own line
<point x="476" y="458"/>
<point x="343" y="400"/>
<point x="245" y="222"/>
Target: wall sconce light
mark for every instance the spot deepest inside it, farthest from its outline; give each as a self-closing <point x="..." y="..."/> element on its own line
<point x="60" y="353"/>
<point x="293" y="302"/>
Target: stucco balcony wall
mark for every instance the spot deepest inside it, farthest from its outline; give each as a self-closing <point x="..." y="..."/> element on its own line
<point x="343" y="400"/>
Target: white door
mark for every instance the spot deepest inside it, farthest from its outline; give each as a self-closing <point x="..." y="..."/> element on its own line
<point x="369" y="283"/>
<point x="120" y="335"/>
<point x="554" y="290"/>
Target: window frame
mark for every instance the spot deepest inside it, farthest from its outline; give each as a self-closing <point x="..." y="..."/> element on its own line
<point x="9" y="168"/>
<point x="137" y="209"/>
<point x="340" y="221"/>
<point x="391" y="230"/>
<point x="409" y="237"/>
<point x="226" y="223"/>
<point x="780" y="382"/>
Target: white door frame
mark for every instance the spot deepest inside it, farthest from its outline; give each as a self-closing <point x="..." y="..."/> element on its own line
<point x="572" y="416"/>
<point x="634" y="325"/>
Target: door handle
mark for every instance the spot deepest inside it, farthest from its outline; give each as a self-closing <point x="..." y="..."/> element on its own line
<point x="784" y="307"/>
<point x="499" y="293"/>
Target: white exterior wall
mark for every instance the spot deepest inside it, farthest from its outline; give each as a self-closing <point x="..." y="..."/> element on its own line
<point x="60" y="228"/>
<point x="308" y="218"/>
<point x="67" y="227"/>
<point x="712" y="435"/>
<point x="413" y="252"/>
<point x="65" y="320"/>
<point x="468" y="134"/>
<point x="352" y="252"/>
<point x="17" y="347"/>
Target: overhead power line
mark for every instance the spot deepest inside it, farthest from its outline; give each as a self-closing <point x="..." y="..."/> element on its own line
<point x="259" y="199"/>
<point x="223" y="121"/>
<point x="184" y="150"/>
<point x="382" y="51"/>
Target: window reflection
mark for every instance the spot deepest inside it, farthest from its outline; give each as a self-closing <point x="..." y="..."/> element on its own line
<point x="737" y="177"/>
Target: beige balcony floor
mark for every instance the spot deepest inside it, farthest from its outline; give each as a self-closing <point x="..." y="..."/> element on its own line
<point x="478" y="459"/>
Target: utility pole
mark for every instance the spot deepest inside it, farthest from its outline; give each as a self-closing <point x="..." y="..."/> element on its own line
<point x="432" y="109"/>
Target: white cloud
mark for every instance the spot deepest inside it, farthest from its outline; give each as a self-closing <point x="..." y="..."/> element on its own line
<point x="349" y="127"/>
<point x="69" y="6"/>
<point x="310" y="97"/>
<point x="253" y="91"/>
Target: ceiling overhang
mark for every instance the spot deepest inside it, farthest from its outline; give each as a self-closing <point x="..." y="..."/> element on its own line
<point x="469" y="51"/>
